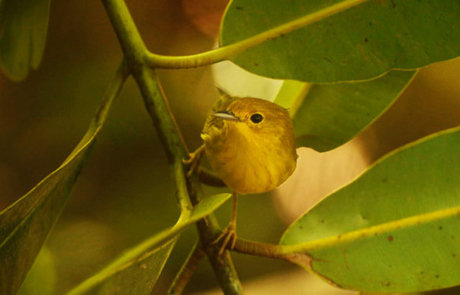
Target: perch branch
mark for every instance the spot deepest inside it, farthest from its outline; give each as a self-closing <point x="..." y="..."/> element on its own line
<point x="273" y="251"/>
<point x="209" y="178"/>
<point x="208" y="229"/>
<point x="134" y="50"/>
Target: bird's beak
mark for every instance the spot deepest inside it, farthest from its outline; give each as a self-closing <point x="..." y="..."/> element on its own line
<point x="226" y="115"/>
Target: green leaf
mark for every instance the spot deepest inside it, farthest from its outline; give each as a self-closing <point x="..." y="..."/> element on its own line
<point x="332" y="114"/>
<point x="136" y="271"/>
<point x="359" y="43"/>
<point x="394" y="229"/>
<point x="25" y="224"/>
<point x="206" y="207"/>
<point x="23" y="26"/>
<point x="42" y="277"/>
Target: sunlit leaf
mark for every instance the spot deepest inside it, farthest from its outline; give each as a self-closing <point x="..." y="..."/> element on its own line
<point x="292" y="94"/>
<point x="359" y="43"/>
<point x="394" y="229"/>
<point x="331" y="114"/>
<point x="23" y="28"/>
<point x="136" y="271"/>
<point x="25" y="224"/>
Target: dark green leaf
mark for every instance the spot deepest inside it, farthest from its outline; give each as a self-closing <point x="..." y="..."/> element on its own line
<point x="136" y="276"/>
<point x="359" y="43"/>
<point x="23" y="28"/>
<point x="136" y="271"/>
<point x="394" y="229"/>
<point x="25" y="224"/>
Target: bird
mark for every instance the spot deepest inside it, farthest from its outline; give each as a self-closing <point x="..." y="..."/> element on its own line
<point x="250" y="144"/>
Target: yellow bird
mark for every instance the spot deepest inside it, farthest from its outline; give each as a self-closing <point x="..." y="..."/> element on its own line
<point x="250" y="144"/>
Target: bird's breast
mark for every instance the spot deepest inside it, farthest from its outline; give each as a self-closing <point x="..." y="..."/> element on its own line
<point x="249" y="163"/>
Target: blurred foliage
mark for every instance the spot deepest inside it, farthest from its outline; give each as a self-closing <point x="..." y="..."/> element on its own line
<point x="23" y="31"/>
<point x="27" y="222"/>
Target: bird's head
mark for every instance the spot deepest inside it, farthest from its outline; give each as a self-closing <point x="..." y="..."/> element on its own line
<point x="255" y="116"/>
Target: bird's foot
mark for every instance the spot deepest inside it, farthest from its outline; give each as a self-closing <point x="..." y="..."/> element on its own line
<point x="228" y="237"/>
<point x="193" y="161"/>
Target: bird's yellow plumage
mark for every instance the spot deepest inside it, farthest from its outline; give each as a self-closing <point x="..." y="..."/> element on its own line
<point x="250" y="143"/>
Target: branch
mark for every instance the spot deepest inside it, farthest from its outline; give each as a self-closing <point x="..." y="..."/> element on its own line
<point x="225" y="52"/>
<point x="209" y="178"/>
<point x="223" y="266"/>
<point x="158" y="109"/>
<point x="209" y="229"/>
<point x="259" y="249"/>
<point x="272" y="251"/>
<point x="130" y="40"/>
<point x="167" y="129"/>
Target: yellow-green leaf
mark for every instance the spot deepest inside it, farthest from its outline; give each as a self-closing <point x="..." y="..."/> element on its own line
<point x="42" y="277"/>
<point x="25" y="224"/>
<point x="23" y="28"/>
<point x="292" y="94"/>
<point x="394" y="229"/>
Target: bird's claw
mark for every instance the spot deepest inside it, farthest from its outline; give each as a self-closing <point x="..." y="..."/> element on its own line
<point x="228" y="237"/>
<point x="193" y="161"/>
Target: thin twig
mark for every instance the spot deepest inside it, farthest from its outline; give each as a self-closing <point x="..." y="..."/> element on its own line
<point x="259" y="249"/>
<point x="186" y="271"/>
<point x="208" y="177"/>
<point x="272" y="251"/>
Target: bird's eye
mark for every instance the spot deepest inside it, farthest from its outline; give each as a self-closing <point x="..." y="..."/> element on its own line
<point x="257" y="118"/>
